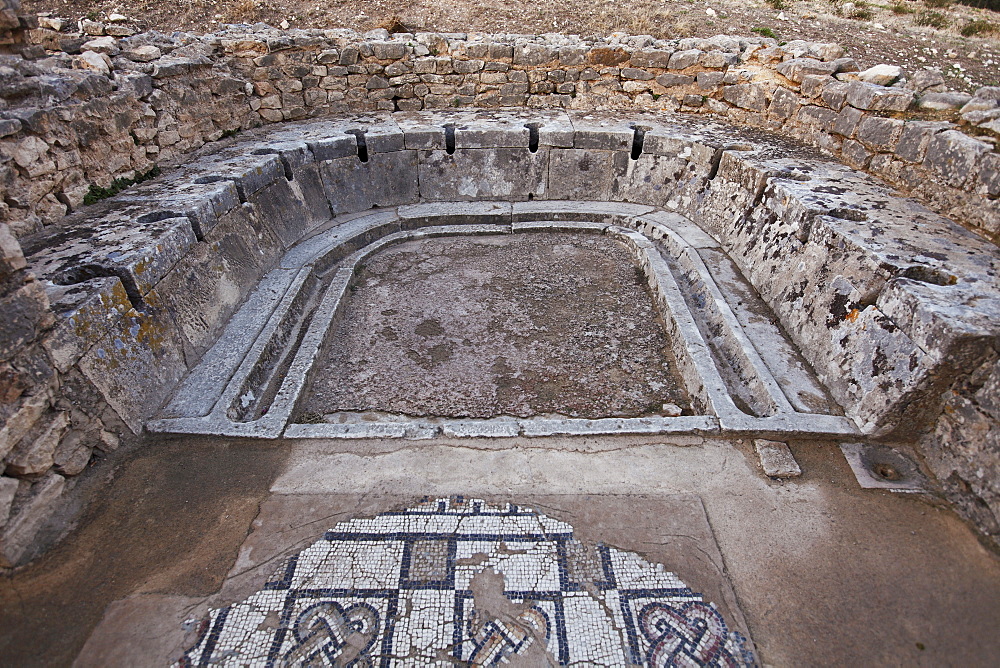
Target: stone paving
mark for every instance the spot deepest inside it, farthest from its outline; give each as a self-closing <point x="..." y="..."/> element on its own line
<point x="517" y="325"/>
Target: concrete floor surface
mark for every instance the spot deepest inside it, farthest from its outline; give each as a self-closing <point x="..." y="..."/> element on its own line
<point x="815" y="569"/>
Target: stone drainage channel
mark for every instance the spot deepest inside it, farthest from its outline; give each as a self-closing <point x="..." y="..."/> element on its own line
<point x="742" y="373"/>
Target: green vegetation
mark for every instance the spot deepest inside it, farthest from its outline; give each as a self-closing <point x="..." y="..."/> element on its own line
<point x="901" y="8"/>
<point x="765" y="32"/>
<point x="777" y="4"/>
<point x="938" y="4"/>
<point x="862" y="11"/>
<point x="979" y="27"/>
<point x="932" y="20"/>
<point x="97" y="193"/>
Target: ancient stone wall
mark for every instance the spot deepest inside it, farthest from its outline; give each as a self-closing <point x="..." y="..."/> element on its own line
<point x="102" y="107"/>
<point x="98" y="108"/>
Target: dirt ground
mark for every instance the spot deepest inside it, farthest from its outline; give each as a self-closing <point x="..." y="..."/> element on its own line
<point x="964" y="42"/>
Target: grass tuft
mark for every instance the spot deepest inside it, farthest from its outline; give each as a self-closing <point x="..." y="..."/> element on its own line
<point x="96" y="193"/>
<point x="979" y="27"/>
<point x="932" y="20"/>
<point x="765" y="32"/>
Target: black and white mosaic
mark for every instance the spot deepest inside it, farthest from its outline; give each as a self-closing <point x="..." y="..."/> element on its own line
<point x="462" y="582"/>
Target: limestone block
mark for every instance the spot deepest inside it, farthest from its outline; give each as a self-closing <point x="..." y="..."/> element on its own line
<point x="23" y="525"/>
<point x="580" y="174"/>
<point x="511" y="174"/>
<point x="8" y="487"/>
<point x="84" y="312"/>
<point x="651" y="179"/>
<point x="35" y="453"/>
<point x="989" y="174"/>
<point x="871" y="97"/>
<point x="776" y="459"/>
<point x="670" y="80"/>
<point x="943" y="101"/>
<point x="644" y="58"/>
<point x="915" y="137"/>
<point x="144" y="53"/>
<point x="681" y="60"/>
<point x="798" y="68"/>
<point x="142" y="349"/>
<point x="784" y="103"/>
<point x="135" y="242"/>
<point x="387" y="179"/>
<point x="954" y="156"/>
<point x="881" y="75"/>
<point x="25" y="313"/>
<point x="879" y="134"/>
<point x="11" y="256"/>
<point x="201" y="203"/>
<point x="746" y="96"/>
<point x="207" y="285"/>
<point x="534" y="54"/>
<point x="22" y="421"/>
<point x="718" y="59"/>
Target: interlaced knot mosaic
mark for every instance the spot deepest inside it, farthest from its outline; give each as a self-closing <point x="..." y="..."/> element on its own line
<point x="463" y="582"/>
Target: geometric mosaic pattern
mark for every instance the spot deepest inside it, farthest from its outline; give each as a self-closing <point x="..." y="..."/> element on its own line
<point x="461" y="582"/>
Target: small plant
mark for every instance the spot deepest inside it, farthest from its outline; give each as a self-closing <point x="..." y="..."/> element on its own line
<point x="932" y="20"/>
<point x="938" y="4"/>
<point x="96" y="193"/>
<point x="765" y="32"/>
<point x="92" y="16"/>
<point x="979" y="27"/>
<point x="862" y="11"/>
<point x="900" y="8"/>
<point x="777" y="4"/>
<point x="226" y="134"/>
<point x="457" y="102"/>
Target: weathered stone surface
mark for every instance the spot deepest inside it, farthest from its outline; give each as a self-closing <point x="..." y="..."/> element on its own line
<point x="8" y="487"/>
<point x="954" y="156"/>
<point x="16" y="538"/>
<point x="473" y="174"/>
<point x="881" y="75"/>
<point x="21" y="422"/>
<point x="26" y="311"/>
<point x="798" y="68"/>
<point x="746" y="96"/>
<point x="776" y="459"/>
<point x="878" y="98"/>
<point x="35" y="453"/>
<point x="681" y="60"/>
<point x="880" y="134"/>
<point x="943" y="101"/>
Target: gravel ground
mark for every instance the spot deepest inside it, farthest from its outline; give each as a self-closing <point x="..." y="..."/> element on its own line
<point x="873" y="33"/>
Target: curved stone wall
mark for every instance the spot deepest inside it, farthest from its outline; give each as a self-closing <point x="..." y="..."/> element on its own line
<point x="890" y="303"/>
<point x="100" y="108"/>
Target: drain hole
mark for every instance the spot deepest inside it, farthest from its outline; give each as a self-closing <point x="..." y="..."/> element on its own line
<point x="638" y="136"/>
<point x="157" y="216"/>
<point x="449" y="139"/>
<point x="359" y="137"/>
<point x="532" y="136"/>
<point x="531" y="196"/>
<point x="887" y="472"/>
<point x="716" y="161"/>
<point x="926" y="274"/>
<point x="87" y="272"/>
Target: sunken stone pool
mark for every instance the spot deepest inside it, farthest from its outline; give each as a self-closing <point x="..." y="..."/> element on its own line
<point x="484" y="326"/>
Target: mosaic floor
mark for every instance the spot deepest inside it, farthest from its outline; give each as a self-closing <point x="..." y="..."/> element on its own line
<point x="461" y="582"/>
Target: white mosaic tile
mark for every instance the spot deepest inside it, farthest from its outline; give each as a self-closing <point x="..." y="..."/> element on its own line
<point x="404" y="588"/>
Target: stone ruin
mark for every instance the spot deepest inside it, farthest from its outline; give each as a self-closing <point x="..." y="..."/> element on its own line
<point x="818" y="241"/>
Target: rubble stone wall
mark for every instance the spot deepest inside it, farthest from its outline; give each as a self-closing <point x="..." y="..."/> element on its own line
<point x="95" y="108"/>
